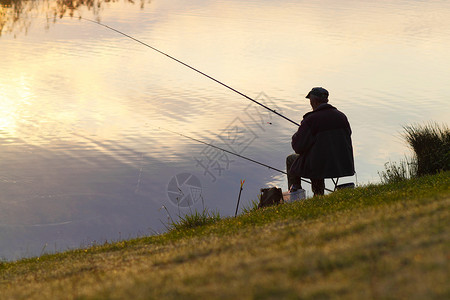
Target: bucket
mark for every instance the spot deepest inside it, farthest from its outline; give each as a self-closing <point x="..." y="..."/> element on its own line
<point x="294" y="196"/>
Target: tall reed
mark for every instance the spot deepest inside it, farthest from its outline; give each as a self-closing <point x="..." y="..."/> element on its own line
<point x="431" y="145"/>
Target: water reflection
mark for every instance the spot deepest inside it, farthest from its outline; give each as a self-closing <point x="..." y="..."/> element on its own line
<point x="16" y="16"/>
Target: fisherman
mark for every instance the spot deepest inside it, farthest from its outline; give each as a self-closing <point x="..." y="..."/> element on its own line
<point x="322" y="144"/>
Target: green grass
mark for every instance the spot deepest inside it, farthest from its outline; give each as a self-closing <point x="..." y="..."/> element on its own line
<point x="195" y="219"/>
<point x="376" y="242"/>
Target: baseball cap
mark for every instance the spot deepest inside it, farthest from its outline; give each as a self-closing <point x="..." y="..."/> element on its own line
<point x="319" y="92"/>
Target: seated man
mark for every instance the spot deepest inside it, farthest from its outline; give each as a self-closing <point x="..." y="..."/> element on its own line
<point x="322" y="144"/>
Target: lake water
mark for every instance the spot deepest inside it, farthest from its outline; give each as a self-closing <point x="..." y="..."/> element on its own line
<point x="83" y="158"/>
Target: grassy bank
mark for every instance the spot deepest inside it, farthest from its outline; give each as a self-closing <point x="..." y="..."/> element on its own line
<point x="376" y="242"/>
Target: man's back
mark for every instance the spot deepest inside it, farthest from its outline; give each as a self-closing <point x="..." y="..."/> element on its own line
<point x="324" y="144"/>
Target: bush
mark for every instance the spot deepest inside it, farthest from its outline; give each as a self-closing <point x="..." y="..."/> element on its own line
<point x="396" y="172"/>
<point x="431" y="145"/>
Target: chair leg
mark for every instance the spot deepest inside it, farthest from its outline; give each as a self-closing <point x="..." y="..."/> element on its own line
<point x="335" y="183"/>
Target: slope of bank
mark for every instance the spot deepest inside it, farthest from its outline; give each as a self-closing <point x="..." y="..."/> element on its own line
<point x="385" y="241"/>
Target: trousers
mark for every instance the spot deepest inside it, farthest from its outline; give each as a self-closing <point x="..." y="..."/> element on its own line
<point x="317" y="184"/>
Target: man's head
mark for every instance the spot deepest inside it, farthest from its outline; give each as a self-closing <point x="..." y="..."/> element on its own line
<point x="317" y="96"/>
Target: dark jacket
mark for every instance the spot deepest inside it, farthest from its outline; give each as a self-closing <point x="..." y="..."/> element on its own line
<point x="324" y="143"/>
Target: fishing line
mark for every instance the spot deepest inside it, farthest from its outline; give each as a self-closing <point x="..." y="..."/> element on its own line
<point x="215" y="80"/>
<point x="192" y="68"/>
<point x="233" y="153"/>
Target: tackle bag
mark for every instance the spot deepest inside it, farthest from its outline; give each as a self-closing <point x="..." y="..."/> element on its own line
<point x="270" y="196"/>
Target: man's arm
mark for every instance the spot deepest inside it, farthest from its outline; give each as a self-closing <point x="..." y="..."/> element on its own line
<point x="302" y="140"/>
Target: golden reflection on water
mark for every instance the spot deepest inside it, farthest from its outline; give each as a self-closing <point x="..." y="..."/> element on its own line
<point x="16" y="16"/>
<point x="8" y="117"/>
<point x="14" y="108"/>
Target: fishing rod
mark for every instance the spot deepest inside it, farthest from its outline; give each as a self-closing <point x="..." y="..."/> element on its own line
<point x="192" y="68"/>
<point x="233" y="153"/>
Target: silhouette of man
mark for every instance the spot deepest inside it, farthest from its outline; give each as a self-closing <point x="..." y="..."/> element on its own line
<point x="322" y="144"/>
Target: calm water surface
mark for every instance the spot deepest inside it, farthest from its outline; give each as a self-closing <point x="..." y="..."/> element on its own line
<point x="82" y="155"/>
